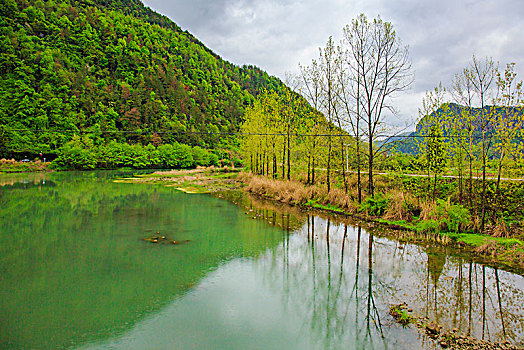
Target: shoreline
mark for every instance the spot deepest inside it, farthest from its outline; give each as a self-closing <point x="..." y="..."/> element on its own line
<point x="504" y="252"/>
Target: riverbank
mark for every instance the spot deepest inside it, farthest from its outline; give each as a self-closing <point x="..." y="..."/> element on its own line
<point x="446" y="338"/>
<point x="199" y="180"/>
<point x="401" y="214"/>
<point x="9" y="166"/>
<point x="408" y="218"/>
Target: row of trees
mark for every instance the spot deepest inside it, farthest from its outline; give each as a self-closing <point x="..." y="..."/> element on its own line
<point x="475" y="122"/>
<point x="82" y="153"/>
<point x="338" y="120"/>
<point x="280" y="132"/>
<point x="349" y="87"/>
<point x="353" y="83"/>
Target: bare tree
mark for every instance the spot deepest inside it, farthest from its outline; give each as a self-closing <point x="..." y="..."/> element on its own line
<point x="350" y="87"/>
<point x="328" y="74"/>
<point x="508" y="119"/>
<point x="382" y="69"/>
<point x="482" y="78"/>
<point x="462" y="92"/>
<point x="310" y="88"/>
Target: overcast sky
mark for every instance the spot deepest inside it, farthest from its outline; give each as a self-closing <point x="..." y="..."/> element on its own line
<point x="276" y="35"/>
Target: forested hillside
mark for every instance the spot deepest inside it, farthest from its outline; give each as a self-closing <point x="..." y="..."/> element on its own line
<point x="114" y="70"/>
<point x="467" y="121"/>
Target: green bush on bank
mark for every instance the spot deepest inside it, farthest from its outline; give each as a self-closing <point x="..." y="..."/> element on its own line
<point x="375" y="206"/>
<point x="455" y="216"/>
<point x="81" y="154"/>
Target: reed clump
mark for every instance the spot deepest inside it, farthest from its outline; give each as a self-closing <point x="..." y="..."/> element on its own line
<point x="401" y="206"/>
<point x="286" y="191"/>
<point x="295" y="192"/>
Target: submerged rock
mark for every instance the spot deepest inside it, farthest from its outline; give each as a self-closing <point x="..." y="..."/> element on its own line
<point x="158" y="239"/>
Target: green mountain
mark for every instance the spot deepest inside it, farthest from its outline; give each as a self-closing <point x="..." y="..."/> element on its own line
<point x="114" y="70"/>
<point x="409" y="142"/>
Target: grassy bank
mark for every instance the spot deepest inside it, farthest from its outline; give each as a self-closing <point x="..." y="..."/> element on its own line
<point x="411" y="218"/>
<point x="199" y="180"/>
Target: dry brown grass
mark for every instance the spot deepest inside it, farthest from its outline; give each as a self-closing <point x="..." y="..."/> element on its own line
<point x="426" y="212"/>
<point x="339" y="198"/>
<point x="501" y="229"/>
<point x="284" y="191"/>
<point x="400" y="206"/>
<point x="295" y="192"/>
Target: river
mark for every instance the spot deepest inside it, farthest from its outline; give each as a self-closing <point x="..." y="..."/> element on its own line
<point x="76" y="273"/>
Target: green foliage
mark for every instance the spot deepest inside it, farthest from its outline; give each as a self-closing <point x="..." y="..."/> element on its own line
<point x="436" y="154"/>
<point x="427" y="226"/>
<point x="81" y="153"/>
<point x="315" y="204"/>
<point x="284" y="119"/>
<point x="455" y="216"/>
<point x="402" y="163"/>
<point x="400" y="314"/>
<point x="204" y="157"/>
<point x="102" y="67"/>
<point x="375" y="206"/>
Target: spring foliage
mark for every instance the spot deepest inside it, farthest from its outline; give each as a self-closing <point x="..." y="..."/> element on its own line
<point x="81" y="153"/>
<point x="103" y="67"/>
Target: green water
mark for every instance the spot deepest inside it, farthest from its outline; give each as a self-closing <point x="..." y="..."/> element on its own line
<point x="75" y="274"/>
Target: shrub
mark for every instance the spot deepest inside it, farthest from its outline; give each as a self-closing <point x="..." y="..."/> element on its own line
<point x="77" y="154"/>
<point x="184" y="156"/>
<point x="375" y="206"/>
<point x="204" y="157"/>
<point x="81" y="153"/>
<point x="428" y="226"/>
<point x="455" y="216"/>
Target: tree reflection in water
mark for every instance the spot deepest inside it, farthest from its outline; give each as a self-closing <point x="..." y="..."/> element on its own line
<point x="321" y="263"/>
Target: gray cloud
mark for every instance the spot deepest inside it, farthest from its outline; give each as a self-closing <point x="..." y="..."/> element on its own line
<point x="277" y="35"/>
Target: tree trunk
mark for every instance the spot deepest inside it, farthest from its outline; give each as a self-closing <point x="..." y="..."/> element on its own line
<point x="313" y="164"/>
<point x="370" y="165"/>
<point x="434" y="187"/>
<point x="470" y="175"/>
<point x="274" y="165"/>
<point x="359" y="181"/>
<point x="284" y="162"/>
<point x="484" y="155"/>
<point x="328" y="165"/>
<point x="313" y="170"/>
<point x="288" y="156"/>
<point x="308" y="168"/>
<point x="497" y="191"/>
<point x="343" y="158"/>
<point x="461" y="182"/>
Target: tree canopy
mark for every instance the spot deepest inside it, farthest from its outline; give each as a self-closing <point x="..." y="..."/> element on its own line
<point x="115" y="70"/>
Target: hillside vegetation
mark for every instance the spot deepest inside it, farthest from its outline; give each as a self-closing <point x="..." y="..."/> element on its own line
<point x="113" y="70"/>
<point x="452" y="115"/>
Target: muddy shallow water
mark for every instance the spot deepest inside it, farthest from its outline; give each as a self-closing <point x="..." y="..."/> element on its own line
<point x="76" y="273"/>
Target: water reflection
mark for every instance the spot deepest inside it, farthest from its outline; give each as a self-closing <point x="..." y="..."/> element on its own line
<point x="22" y="181"/>
<point x="261" y="275"/>
<point x="73" y="267"/>
<point x="344" y="279"/>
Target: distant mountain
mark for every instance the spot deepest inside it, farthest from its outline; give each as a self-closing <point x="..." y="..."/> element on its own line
<point x="115" y="70"/>
<point x="408" y="143"/>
